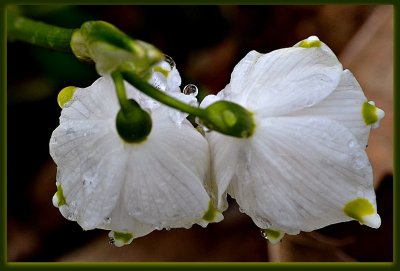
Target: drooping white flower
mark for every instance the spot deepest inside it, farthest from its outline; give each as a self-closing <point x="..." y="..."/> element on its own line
<point x="130" y="188"/>
<point x="305" y="166"/>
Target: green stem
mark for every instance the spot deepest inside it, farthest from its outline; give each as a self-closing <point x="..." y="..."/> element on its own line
<point x="121" y="92"/>
<point x="38" y="33"/>
<point x="160" y="96"/>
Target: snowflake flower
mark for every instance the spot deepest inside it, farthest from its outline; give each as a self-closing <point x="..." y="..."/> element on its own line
<point x="305" y="166"/>
<point x="130" y="188"/>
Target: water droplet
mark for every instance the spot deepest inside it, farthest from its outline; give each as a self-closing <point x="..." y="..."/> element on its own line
<point x="111" y="240"/>
<point x="158" y="227"/>
<point x="190" y="89"/>
<point x="264" y="233"/>
<point x="352" y="144"/>
<point x="170" y="61"/>
<point x="53" y="141"/>
<point x="168" y="228"/>
<point x="309" y="102"/>
<point x="107" y="220"/>
<point x="241" y="210"/>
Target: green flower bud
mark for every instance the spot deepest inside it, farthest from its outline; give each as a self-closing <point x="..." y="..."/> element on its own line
<point x="230" y="119"/>
<point x="133" y="123"/>
<point x="109" y="47"/>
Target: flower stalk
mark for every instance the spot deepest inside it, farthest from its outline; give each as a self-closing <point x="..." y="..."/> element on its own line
<point x="38" y="33"/>
<point x="115" y="53"/>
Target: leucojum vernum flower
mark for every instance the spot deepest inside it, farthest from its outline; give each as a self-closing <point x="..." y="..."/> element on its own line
<point x="299" y="165"/>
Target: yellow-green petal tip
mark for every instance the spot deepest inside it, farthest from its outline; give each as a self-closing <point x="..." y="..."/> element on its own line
<point x="363" y="211"/>
<point x="65" y="95"/>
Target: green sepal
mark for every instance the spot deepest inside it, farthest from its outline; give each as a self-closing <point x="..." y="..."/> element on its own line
<point x="133" y="123"/>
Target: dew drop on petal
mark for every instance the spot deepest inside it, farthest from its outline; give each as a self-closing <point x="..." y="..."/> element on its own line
<point x="264" y="233"/>
<point x="53" y="140"/>
<point x="170" y="61"/>
<point x="107" y="220"/>
<point x="190" y="89"/>
<point x="272" y="236"/>
<point x="352" y="144"/>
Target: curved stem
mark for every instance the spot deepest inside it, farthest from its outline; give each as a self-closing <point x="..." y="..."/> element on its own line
<point x="160" y="96"/>
<point x="120" y="88"/>
<point x="38" y="33"/>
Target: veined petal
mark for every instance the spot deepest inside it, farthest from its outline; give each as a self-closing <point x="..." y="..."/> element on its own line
<point x="166" y="187"/>
<point x="86" y="130"/>
<point x="299" y="174"/>
<point x="123" y="226"/>
<point x="345" y="106"/>
<point x="284" y="80"/>
<point x="225" y="155"/>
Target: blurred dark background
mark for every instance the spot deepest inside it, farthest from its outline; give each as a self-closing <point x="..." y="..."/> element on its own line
<point x="206" y="42"/>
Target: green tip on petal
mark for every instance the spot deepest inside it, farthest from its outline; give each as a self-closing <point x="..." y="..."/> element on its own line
<point x="212" y="214"/>
<point x="120" y="239"/>
<point x="65" y="95"/>
<point x="310" y="42"/>
<point x="273" y="236"/>
<point x="371" y="114"/>
<point x="161" y="70"/>
<point x="58" y="198"/>
<point x="363" y="211"/>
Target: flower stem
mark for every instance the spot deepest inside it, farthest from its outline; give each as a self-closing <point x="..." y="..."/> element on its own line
<point x="160" y="96"/>
<point x="120" y="88"/>
<point x="38" y="33"/>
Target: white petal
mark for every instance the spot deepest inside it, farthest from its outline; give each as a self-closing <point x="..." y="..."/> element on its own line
<point x="343" y="105"/>
<point x="373" y="221"/>
<point x="121" y="221"/>
<point x="178" y="116"/>
<point x="225" y="154"/>
<point x="300" y="172"/>
<point x="208" y="100"/>
<point x="86" y="141"/>
<point x="174" y="81"/>
<point x="284" y="80"/>
<point x="167" y="175"/>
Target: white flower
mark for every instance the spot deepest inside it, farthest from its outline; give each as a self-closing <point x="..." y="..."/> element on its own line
<point x="129" y="188"/>
<point x="305" y="166"/>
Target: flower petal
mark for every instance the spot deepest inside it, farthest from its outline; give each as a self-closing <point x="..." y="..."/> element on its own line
<point x="345" y="106"/>
<point x="284" y="80"/>
<point x="299" y="174"/>
<point x="225" y="155"/>
<point x="85" y="142"/>
<point x="167" y="174"/>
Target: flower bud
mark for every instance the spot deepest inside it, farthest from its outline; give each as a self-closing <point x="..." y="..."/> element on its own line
<point x="109" y="47"/>
<point x="133" y="123"/>
<point x="230" y="119"/>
